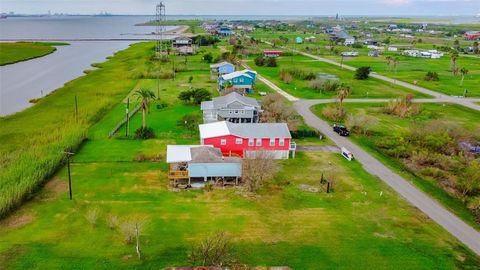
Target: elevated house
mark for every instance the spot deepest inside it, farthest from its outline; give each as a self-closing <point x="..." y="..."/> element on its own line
<point x="349" y="41"/>
<point x="249" y="140"/>
<point x="183" y="45"/>
<point x="220" y="69"/>
<point x="190" y="164"/>
<point x="233" y="107"/>
<point x="225" y="31"/>
<point x="239" y="81"/>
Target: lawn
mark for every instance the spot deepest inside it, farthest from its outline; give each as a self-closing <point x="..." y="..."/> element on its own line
<point x="362" y="224"/>
<point x="389" y="125"/>
<point x="370" y="88"/>
<point x="11" y="53"/>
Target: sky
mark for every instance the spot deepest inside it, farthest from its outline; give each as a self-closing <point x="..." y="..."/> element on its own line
<point x="249" y="7"/>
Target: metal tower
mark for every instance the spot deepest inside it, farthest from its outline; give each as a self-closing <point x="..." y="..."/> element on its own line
<point x="160" y="19"/>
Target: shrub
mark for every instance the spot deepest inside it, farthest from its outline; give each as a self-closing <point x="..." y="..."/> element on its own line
<point x="190" y="122"/>
<point x="286" y="77"/>
<point x="403" y="107"/>
<point x="361" y="123"/>
<point x="208" y="187"/>
<point x="334" y="112"/>
<point x="262" y="61"/>
<point x="208" y="57"/>
<point x="92" y="216"/>
<point x="305" y="133"/>
<point x="144" y="133"/>
<point x="196" y="96"/>
<point x="112" y="221"/>
<point x="431" y="76"/>
<point x="362" y="73"/>
<point x="301" y="74"/>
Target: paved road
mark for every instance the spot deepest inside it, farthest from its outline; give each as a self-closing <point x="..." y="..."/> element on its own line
<point x="445" y="98"/>
<point x="458" y="228"/>
<point x="462" y="231"/>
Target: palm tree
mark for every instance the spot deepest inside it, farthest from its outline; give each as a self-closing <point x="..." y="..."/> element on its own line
<point x="456" y="44"/>
<point x="145" y="95"/>
<point x="343" y="93"/>
<point x="395" y="62"/>
<point x="389" y="62"/>
<point x="464" y="72"/>
<point x="454" y="58"/>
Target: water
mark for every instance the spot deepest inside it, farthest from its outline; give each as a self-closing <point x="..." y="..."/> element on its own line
<point x="35" y="78"/>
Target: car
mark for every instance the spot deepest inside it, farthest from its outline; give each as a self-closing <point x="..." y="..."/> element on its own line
<point x="341" y="130"/>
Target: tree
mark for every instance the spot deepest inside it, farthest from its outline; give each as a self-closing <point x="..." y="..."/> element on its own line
<point x="213" y="251"/>
<point x="208" y="57"/>
<point x="456" y="44"/>
<point x="454" y="57"/>
<point x="276" y="110"/>
<point x="475" y="47"/>
<point x="470" y="178"/>
<point x="258" y="169"/>
<point x="389" y="62"/>
<point x="145" y="95"/>
<point x="464" y="73"/>
<point x="196" y="96"/>
<point x="362" y="73"/>
<point x="343" y="93"/>
<point x="361" y="123"/>
<point x="431" y="76"/>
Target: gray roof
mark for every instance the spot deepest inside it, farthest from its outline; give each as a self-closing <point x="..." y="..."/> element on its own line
<point x="220" y="64"/>
<point x="207" y="154"/>
<point x="223" y="101"/>
<point x="259" y="130"/>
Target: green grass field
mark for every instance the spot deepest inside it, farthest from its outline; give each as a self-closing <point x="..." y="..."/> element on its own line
<point x="11" y="53"/>
<point x="389" y="125"/>
<point x="361" y="225"/>
<point x="370" y="88"/>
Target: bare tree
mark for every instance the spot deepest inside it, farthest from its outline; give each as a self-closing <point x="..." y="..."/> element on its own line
<point x="276" y="110"/>
<point x="212" y="251"/>
<point x="361" y="123"/>
<point x="258" y="169"/>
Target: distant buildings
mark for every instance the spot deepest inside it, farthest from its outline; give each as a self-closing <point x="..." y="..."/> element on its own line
<point x="433" y="54"/>
<point x="472" y="35"/>
<point x="349" y="54"/>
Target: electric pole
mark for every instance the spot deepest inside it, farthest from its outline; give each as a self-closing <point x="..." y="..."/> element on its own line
<point x="69" y="154"/>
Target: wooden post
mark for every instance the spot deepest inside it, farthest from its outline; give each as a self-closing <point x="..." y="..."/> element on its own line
<point x="328" y="187"/>
<point x="138" y="240"/>
<point x="69" y="178"/>
<point x="128" y="117"/>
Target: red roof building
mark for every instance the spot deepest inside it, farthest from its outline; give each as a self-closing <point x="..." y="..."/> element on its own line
<point x="246" y="140"/>
<point x="472" y="35"/>
<point x="272" y="53"/>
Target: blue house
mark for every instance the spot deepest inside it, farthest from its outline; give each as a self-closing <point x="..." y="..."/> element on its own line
<point x="299" y="40"/>
<point x="220" y="69"/>
<point x="225" y="31"/>
<point x="240" y="81"/>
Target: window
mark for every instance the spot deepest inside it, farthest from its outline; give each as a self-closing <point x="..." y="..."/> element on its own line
<point x="272" y="142"/>
<point x="240" y="80"/>
<point x="223" y="141"/>
<point x="250" y="142"/>
<point x="236" y="112"/>
<point x="259" y="142"/>
<point x="281" y="142"/>
<point x="238" y="141"/>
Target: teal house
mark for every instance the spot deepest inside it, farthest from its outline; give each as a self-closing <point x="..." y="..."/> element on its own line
<point x="299" y="40"/>
<point x="240" y="81"/>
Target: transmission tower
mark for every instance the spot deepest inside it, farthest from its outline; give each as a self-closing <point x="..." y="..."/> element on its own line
<point x="160" y="19"/>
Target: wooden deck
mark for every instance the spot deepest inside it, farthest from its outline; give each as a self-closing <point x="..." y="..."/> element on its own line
<point x="177" y="175"/>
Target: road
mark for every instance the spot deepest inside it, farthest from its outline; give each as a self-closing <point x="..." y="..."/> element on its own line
<point x="450" y="222"/>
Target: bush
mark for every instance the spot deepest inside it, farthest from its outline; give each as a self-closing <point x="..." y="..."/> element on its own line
<point x="362" y="73"/>
<point x="196" y="96"/>
<point x="301" y="74"/>
<point x="262" y="61"/>
<point x="144" y="133"/>
<point x="334" y="112"/>
<point x="403" y="107"/>
<point x="431" y="76"/>
<point x="304" y="133"/>
<point x="205" y="40"/>
<point x="190" y="122"/>
<point x="208" y="57"/>
<point x="286" y="77"/>
<point x="361" y="124"/>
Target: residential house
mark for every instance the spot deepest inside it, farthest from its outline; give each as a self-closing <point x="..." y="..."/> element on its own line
<point x="200" y="163"/>
<point x="349" y="41"/>
<point x="220" y="69"/>
<point x="225" y="31"/>
<point x="472" y="35"/>
<point x="349" y="54"/>
<point x="299" y="40"/>
<point x="233" y="108"/>
<point x="373" y="53"/>
<point x="272" y="53"/>
<point x="371" y="42"/>
<point x="240" y="81"/>
<point x="248" y="140"/>
<point x="183" y="45"/>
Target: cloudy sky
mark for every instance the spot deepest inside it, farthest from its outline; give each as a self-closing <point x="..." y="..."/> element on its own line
<point x="249" y="7"/>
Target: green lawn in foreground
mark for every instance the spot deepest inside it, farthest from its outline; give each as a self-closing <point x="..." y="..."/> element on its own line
<point x="370" y="88"/>
<point x="389" y="125"/>
<point x="21" y="51"/>
<point x="361" y="225"/>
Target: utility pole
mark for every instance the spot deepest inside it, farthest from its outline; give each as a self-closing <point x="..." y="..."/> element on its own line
<point x="160" y="18"/>
<point x="69" y="154"/>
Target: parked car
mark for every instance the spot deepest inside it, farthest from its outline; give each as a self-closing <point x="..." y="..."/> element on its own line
<point x="341" y="130"/>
